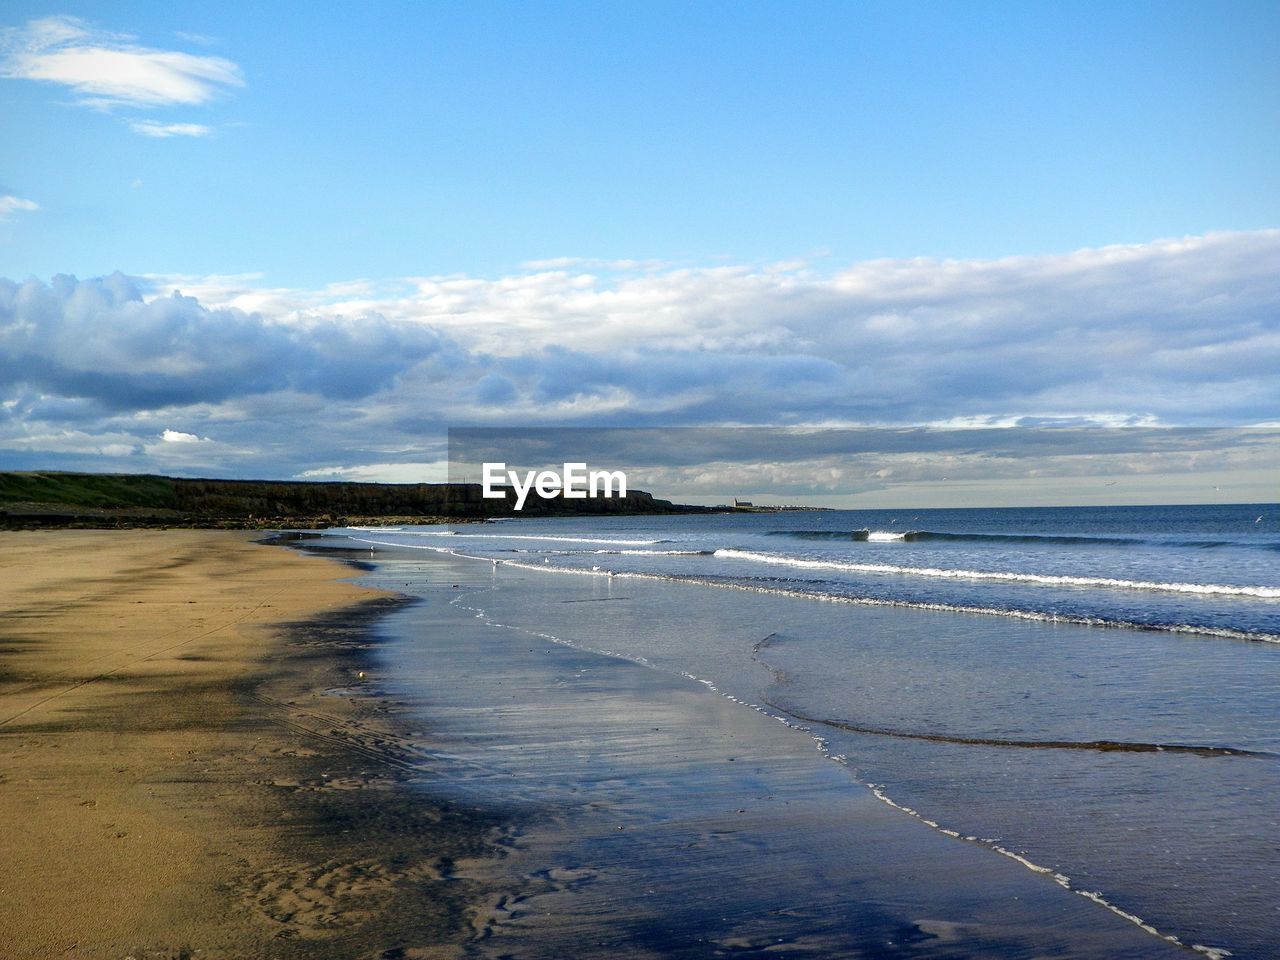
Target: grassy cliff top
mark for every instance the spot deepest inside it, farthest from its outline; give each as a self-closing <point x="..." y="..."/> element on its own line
<point x="99" y="490"/>
<point x="52" y="498"/>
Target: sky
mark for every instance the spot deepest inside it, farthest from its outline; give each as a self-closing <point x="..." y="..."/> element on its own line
<point x="304" y="240"/>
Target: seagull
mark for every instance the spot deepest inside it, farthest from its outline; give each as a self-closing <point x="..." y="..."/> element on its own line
<point x="1259" y="520"/>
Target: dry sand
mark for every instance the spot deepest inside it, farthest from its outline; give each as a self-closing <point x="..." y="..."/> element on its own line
<point x="178" y="777"/>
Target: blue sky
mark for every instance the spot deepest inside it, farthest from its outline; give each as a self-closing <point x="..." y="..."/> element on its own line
<point x="435" y="214"/>
<point x="398" y="139"/>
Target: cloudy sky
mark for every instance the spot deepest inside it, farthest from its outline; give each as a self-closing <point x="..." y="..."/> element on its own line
<point x="303" y="241"/>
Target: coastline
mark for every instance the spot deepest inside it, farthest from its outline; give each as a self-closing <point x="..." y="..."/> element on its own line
<point x="662" y="817"/>
<point x="191" y="767"/>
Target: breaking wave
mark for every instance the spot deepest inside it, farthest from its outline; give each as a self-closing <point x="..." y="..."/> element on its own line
<point x="1209" y="589"/>
<point x="926" y="536"/>
<point x="1017" y="614"/>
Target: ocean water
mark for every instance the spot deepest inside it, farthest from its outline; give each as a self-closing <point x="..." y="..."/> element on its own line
<point x="1090" y="693"/>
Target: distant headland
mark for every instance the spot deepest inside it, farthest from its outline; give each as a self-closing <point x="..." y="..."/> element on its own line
<point x="56" y="499"/>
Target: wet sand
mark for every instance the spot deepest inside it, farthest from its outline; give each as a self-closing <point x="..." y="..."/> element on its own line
<point x="190" y="765"/>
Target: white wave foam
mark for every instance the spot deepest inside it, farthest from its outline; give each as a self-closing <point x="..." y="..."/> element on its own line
<point x="1001" y="575"/>
<point x="1213" y="953"/>
<point x="653" y="553"/>
<point x="610" y="553"/>
<point x="521" y="536"/>
<point x="409" y="546"/>
<point x="1060" y="879"/>
<point x="1180" y="628"/>
<point x="885" y="536"/>
<point x="1223" y="632"/>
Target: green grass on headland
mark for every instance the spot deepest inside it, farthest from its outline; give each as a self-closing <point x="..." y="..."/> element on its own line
<point x="50" y="498"/>
<point x="100" y="490"/>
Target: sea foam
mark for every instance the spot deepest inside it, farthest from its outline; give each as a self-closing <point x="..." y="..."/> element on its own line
<point x="1001" y="575"/>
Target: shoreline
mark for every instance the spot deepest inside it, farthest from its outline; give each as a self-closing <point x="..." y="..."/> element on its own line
<point x="214" y="749"/>
<point x="664" y="817"/>
<point x="196" y="768"/>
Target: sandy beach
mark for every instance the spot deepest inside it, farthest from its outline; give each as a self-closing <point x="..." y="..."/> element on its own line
<point x="183" y="771"/>
<point x="213" y="747"/>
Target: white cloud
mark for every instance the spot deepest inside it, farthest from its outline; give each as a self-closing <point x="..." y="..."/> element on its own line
<point x="46" y="439"/>
<point x="435" y="472"/>
<point x="10" y="204"/>
<point x="149" y="128"/>
<point x="1181" y="332"/>
<point x="177" y="436"/>
<point x="108" y="70"/>
<point x="100" y="340"/>
<point x="1112" y="304"/>
<point x="1178" y="331"/>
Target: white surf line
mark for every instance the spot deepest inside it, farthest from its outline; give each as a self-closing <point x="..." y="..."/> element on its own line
<point x="524" y="536"/>
<point x="824" y="749"/>
<point x="480" y="614"/>
<point x="1179" y="628"/>
<point x="1060" y="879"/>
<point x="450" y="551"/>
<point x="943" y="573"/>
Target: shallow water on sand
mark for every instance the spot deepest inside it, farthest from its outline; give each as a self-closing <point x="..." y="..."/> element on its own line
<point x="662" y="818"/>
<point x="1146" y="777"/>
<point x="1090" y="690"/>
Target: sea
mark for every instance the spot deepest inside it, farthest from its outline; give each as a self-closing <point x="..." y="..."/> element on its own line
<point x="1090" y="695"/>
